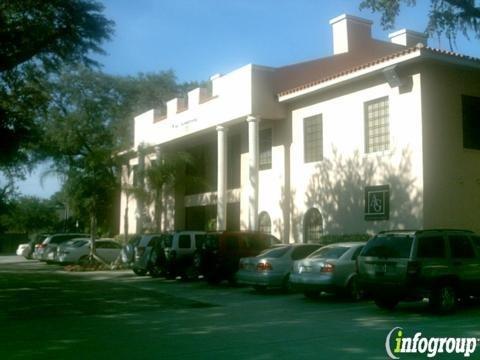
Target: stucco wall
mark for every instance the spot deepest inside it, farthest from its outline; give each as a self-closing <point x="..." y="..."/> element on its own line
<point x="335" y="185"/>
<point x="452" y="173"/>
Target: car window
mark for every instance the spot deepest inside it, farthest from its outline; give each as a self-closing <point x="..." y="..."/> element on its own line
<point x="302" y="251"/>
<point x="276" y="252"/>
<point x="102" y="245"/>
<point x="330" y="252"/>
<point x="432" y="246"/>
<point x="389" y="246"/>
<point x="199" y="240"/>
<point x="184" y="241"/>
<point x="211" y="241"/>
<point x="357" y="252"/>
<point x="476" y="241"/>
<point x="167" y="240"/>
<point x="79" y="243"/>
<point x="460" y="247"/>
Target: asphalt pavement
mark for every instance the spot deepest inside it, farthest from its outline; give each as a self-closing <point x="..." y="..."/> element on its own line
<point x="49" y="313"/>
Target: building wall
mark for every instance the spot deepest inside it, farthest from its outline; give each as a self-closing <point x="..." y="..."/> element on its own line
<point x="335" y="185"/>
<point x="452" y="173"/>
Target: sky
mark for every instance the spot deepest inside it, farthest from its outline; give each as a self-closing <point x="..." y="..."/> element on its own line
<point x="199" y="38"/>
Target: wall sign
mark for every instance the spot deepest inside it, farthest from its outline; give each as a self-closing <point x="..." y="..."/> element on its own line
<point x="377" y="202"/>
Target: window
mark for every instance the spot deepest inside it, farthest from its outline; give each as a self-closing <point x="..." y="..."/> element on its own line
<point x="302" y="251"/>
<point x="265" y="147"/>
<point x="264" y="223"/>
<point x="184" y="241"/>
<point x="431" y="247"/>
<point x="471" y="122"/>
<point x="312" y="226"/>
<point x="377" y="128"/>
<point x="313" y="138"/>
<point x="461" y="247"/>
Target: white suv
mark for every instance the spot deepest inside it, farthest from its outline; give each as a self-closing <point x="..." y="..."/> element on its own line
<point x="178" y="253"/>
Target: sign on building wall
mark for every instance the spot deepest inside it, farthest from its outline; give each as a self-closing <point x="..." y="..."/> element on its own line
<point x="377" y="202"/>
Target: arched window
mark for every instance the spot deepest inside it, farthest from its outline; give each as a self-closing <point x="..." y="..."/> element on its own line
<point x="312" y="226"/>
<point x="264" y="223"/>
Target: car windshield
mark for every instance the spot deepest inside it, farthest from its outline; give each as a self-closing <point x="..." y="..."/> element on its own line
<point x="275" y="252"/>
<point x="389" y="246"/>
<point x="330" y="252"/>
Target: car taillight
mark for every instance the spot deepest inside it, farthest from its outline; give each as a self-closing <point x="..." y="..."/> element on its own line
<point x="40" y="246"/>
<point x="327" y="268"/>
<point x="264" y="266"/>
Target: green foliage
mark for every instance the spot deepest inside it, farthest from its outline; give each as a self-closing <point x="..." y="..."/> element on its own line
<point x="30" y="214"/>
<point x="446" y="17"/>
<point x="331" y="239"/>
<point x="38" y="37"/>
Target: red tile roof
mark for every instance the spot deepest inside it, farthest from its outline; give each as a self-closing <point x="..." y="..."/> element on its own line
<point x="322" y="70"/>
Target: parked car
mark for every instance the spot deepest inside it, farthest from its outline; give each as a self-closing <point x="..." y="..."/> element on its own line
<point x="143" y="259"/>
<point x="128" y="250"/>
<point x="46" y="251"/>
<point x="177" y="253"/>
<point x="26" y="250"/>
<point x="78" y="250"/>
<point x="271" y="268"/>
<point x="222" y="251"/>
<point x="331" y="268"/>
<point x="439" y="264"/>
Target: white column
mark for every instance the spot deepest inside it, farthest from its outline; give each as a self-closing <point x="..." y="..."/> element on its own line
<point x="222" y="178"/>
<point x="253" y="172"/>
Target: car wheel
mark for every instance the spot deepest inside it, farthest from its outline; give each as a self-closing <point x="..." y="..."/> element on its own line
<point x="139" y="272"/>
<point x="354" y="291"/>
<point x="155" y="271"/>
<point x="443" y="298"/>
<point x="387" y="303"/>
<point x="311" y="294"/>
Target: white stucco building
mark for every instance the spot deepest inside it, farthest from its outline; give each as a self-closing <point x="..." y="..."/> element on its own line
<point x="380" y="135"/>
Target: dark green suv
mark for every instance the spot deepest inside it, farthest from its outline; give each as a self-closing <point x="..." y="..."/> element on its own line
<point x="442" y="265"/>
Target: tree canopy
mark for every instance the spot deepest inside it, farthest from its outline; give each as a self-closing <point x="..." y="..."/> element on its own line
<point x="446" y="17"/>
<point x="37" y="38"/>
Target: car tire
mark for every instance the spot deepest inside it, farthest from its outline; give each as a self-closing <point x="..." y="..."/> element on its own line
<point x="155" y="271"/>
<point x="139" y="272"/>
<point x="354" y="291"/>
<point x="443" y="298"/>
<point x="386" y="302"/>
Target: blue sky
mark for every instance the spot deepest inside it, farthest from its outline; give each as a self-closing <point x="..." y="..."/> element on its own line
<point x="199" y="38"/>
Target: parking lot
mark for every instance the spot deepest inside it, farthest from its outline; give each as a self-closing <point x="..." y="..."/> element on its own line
<point x="46" y="312"/>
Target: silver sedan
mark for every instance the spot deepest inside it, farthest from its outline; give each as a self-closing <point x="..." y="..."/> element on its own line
<point x="329" y="269"/>
<point x="272" y="267"/>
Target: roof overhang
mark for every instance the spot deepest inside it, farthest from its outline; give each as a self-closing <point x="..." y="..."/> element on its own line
<point x="406" y="57"/>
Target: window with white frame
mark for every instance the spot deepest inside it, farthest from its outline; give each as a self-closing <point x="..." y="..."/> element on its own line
<point x="313" y="138"/>
<point x="265" y="147"/>
<point x="377" y="125"/>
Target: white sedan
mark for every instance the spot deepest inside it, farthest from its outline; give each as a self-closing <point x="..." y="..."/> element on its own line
<point x="78" y="250"/>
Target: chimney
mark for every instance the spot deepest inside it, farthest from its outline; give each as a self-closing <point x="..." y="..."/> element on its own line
<point x="350" y="33"/>
<point x="408" y="38"/>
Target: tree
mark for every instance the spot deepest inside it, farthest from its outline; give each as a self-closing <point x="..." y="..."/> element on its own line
<point x="80" y="140"/>
<point x="37" y="38"/>
<point x="30" y="214"/>
<point x="447" y="17"/>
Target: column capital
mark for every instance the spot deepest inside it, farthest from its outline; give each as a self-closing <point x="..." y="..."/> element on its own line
<point x="221" y="128"/>
<point x="253" y="118"/>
